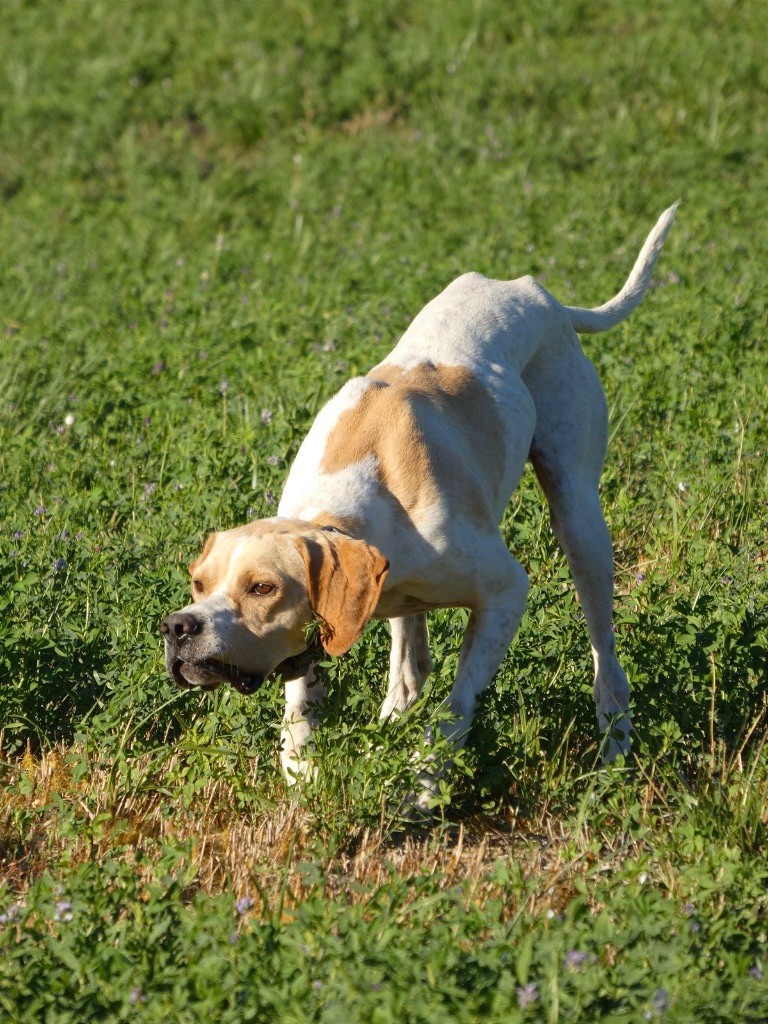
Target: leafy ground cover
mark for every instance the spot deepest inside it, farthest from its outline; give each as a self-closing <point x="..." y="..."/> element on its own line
<point x="212" y="216"/>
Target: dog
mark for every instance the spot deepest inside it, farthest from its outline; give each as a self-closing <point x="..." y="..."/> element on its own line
<point x="392" y="505"/>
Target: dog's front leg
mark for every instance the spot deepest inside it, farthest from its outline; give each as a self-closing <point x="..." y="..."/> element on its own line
<point x="303" y="698"/>
<point x="409" y="662"/>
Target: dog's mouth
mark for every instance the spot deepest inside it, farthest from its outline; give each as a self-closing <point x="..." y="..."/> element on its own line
<point x="207" y="675"/>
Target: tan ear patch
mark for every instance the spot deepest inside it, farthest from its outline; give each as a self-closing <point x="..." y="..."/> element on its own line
<point x="345" y="579"/>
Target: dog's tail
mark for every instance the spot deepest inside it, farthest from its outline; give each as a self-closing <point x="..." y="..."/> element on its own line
<point x="591" y="321"/>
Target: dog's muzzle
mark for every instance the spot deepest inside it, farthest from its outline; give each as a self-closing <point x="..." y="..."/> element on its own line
<point x="180" y="631"/>
<point x="190" y="673"/>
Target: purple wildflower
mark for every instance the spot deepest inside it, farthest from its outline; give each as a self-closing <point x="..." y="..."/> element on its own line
<point x="660" y="1001"/>
<point x="269" y="498"/>
<point x="689" y="909"/>
<point x="18" y="534"/>
<point x="59" y="564"/>
<point x="640" y="577"/>
<point x="317" y="984"/>
<point x="527" y="995"/>
<point x="137" y="996"/>
<point x="63" y="911"/>
<point x="223" y="387"/>
<point x="576" y="959"/>
<point x="243" y="905"/>
<point x="755" y="972"/>
<point x="273" y="460"/>
<point x="40" y="510"/>
<point x="267" y="415"/>
<point x="149" y="489"/>
<point x="13" y="913"/>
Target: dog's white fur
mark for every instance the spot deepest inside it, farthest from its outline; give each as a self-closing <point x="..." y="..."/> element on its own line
<point x="419" y="459"/>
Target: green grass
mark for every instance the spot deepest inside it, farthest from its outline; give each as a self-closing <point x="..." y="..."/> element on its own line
<point x="212" y="215"/>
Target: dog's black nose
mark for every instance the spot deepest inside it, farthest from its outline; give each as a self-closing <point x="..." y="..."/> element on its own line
<point x="179" y="625"/>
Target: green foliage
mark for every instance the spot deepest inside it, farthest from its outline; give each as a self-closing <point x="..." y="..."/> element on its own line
<point x="212" y="215"/>
<point x="103" y="947"/>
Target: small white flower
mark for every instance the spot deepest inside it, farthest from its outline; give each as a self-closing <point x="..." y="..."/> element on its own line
<point x="69" y="419"/>
<point x="643" y="878"/>
<point x="682" y="487"/>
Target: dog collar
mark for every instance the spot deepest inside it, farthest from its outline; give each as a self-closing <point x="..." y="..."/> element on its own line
<point x="300" y="664"/>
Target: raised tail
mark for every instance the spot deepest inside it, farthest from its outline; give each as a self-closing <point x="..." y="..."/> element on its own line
<point x="591" y="321"/>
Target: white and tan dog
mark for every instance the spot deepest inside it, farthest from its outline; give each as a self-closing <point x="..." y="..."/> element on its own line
<point x="392" y="508"/>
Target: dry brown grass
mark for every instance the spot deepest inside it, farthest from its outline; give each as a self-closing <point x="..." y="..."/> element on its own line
<point x="266" y="853"/>
<point x="60" y="809"/>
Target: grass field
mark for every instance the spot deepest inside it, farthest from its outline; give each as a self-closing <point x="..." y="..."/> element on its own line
<point x="212" y="215"/>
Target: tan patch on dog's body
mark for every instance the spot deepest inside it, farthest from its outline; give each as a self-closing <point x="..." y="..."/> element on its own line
<point x="418" y="423"/>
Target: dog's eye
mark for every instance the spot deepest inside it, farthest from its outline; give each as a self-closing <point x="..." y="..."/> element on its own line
<point x="262" y="589"/>
<point x="197" y="586"/>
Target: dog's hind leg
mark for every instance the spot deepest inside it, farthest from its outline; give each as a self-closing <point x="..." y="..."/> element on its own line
<point x="409" y="662"/>
<point x="567" y="454"/>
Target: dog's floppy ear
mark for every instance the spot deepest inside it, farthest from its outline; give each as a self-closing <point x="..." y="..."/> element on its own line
<point x="345" y="578"/>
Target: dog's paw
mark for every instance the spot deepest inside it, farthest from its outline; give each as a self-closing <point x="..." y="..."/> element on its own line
<point x="423" y="804"/>
<point x="616" y="739"/>
<point x="298" y="769"/>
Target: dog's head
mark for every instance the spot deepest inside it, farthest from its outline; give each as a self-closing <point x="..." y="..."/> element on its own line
<point x="255" y="589"/>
